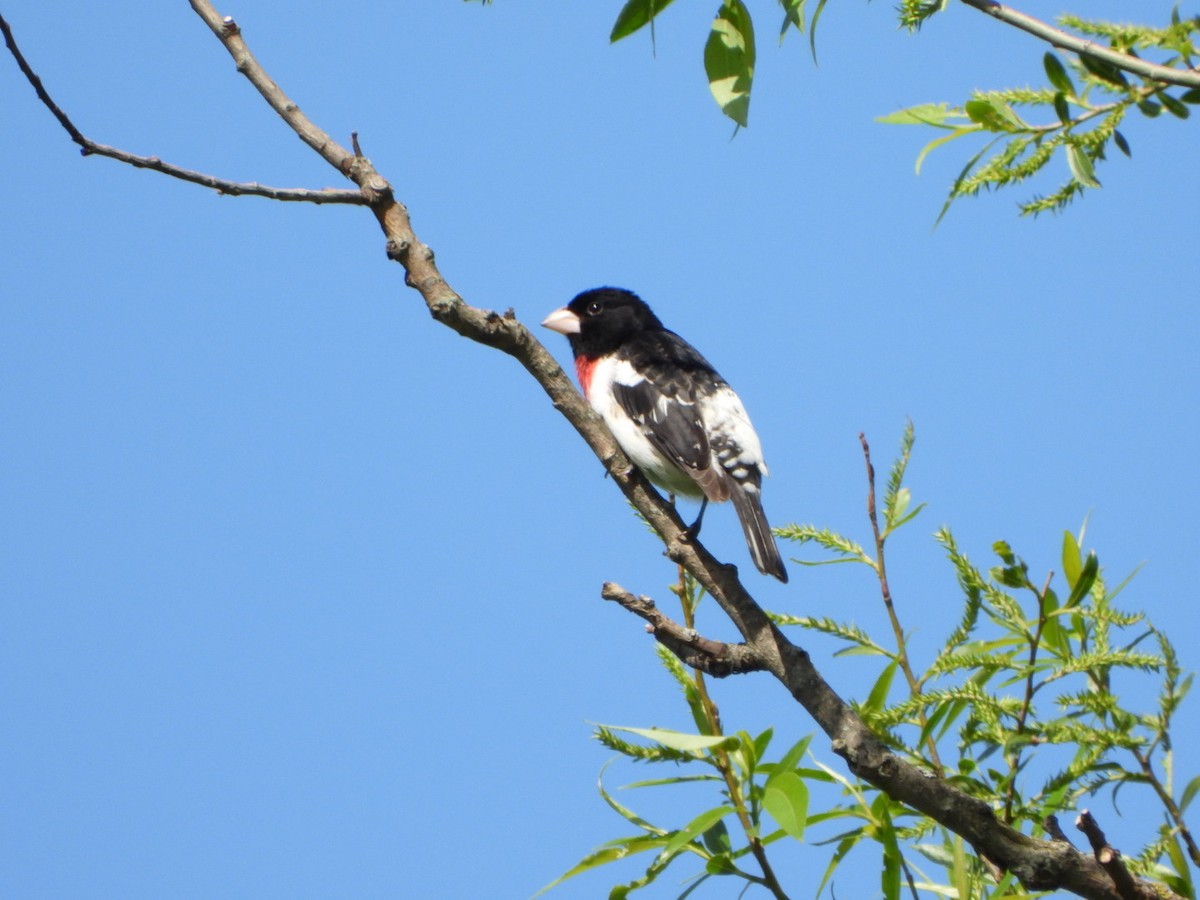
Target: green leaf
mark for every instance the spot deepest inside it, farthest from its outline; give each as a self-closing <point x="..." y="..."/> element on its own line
<point x="812" y="28"/>
<point x="1122" y="144"/>
<point x="716" y="839"/>
<point x="791" y="759"/>
<point x="1192" y="95"/>
<point x="679" y="740"/>
<point x="1173" y="106"/>
<point x="720" y="864"/>
<point x="1061" y="109"/>
<point x="678" y="779"/>
<point x="785" y="797"/>
<point x="944" y="139"/>
<point x="924" y="114"/>
<point x="1057" y="74"/>
<point x="1175" y="854"/>
<point x="1103" y="70"/>
<point x="694" y="829"/>
<point x="1081" y="166"/>
<point x="1149" y="108"/>
<point x="1011" y="576"/>
<point x="993" y="114"/>
<point x="624" y="812"/>
<point x="729" y="60"/>
<point x="1072" y="561"/>
<point x="847" y="844"/>
<point x="954" y="188"/>
<point x="1085" y="580"/>
<point x="691" y="694"/>
<point x="890" y="878"/>
<point x="1189" y="792"/>
<point x="634" y="15"/>
<point x="605" y="855"/>
<point x="793" y="16"/>
<point x="762" y="742"/>
<point x="877" y="699"/>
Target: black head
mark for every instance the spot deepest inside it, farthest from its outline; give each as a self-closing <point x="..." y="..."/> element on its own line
<point x="600" y="320"/>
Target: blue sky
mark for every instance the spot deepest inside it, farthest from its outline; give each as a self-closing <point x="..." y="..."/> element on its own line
<point x="299" y="592"/>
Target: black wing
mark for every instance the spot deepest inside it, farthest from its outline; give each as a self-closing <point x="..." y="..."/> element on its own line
<point x="663" y="404"/>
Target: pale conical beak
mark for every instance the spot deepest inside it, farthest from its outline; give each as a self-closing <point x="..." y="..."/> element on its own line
<point x="563" y="321"/>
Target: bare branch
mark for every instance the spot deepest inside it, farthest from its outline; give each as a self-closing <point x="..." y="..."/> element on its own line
<point x="1066" y="41"/>
<point x="712" y="657"/>
<point x="1109" y="857"/>
<point x="88" y="147"/>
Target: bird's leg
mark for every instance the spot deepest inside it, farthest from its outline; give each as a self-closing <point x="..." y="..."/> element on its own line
<point x="693" y="530"/>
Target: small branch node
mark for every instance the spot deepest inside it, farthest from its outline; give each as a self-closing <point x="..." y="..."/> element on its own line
<point x="1052" y="828"/>
<point x="354" y="143"/>
<point x="397" y="249"/>
<point x="229" y="26"/>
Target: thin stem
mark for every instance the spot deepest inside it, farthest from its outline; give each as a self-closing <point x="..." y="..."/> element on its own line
<point x="1169" y="802"/>
<point x="914" y="685"/>
<point x="1035" y="642"/>
<point x="732" y="783"/>
<point x="1067" y="41"/>
<point x="223" y="186"/>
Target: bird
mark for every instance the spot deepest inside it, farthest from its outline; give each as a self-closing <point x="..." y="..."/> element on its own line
<point x="670" y="411"/>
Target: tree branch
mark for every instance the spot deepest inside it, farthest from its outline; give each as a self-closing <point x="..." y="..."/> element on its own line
<point x="1064" y="40"/>
<point x="1040" y="865"/>
<point x="88" y="147"/>
<point x="712" y="657"/>
<point x="1108" y="856"/>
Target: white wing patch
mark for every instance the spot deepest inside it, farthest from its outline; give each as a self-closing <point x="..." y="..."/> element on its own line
<point x="730" y="433"/>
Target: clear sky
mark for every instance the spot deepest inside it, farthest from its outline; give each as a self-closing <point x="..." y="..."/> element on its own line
<point x="299" y="591"/>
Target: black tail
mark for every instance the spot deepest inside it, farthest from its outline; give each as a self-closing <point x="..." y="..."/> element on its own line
<point x="758" y="533"/>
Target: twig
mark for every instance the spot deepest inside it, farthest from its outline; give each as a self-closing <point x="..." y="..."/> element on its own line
<point x="88" y="147"/>
<point x="1066" y="41"/>
<point x="1013" y="758"/>
<point x="712" y="715"/>
<point x="1109" y="857"/>
<point x="715" y="658"/>
<point x="914" y="686"/>
<point x="1052" y="828"/>
<point x="1168" y="801"/>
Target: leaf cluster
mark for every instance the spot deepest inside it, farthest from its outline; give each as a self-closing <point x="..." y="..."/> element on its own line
<point x="1074" y="117"/>
<point x="1021" y="706"/>
<point x="760" y="802"/>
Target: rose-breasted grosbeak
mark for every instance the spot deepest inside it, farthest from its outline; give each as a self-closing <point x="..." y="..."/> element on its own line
<point x="673" y="415"/>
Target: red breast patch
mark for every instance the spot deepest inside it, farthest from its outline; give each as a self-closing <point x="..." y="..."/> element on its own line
<point x="583" y="369"/>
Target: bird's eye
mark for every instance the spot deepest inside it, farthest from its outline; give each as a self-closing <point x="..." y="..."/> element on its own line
<point x="595" y="308"/>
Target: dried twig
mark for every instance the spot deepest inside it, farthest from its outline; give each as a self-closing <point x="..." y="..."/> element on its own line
<point x="715" y="658"/>
<point x="88" y="147"/>
<point x="1109" y="857"/>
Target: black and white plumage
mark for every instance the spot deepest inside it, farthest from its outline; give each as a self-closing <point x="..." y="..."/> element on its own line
<point x="674" y="416"/>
